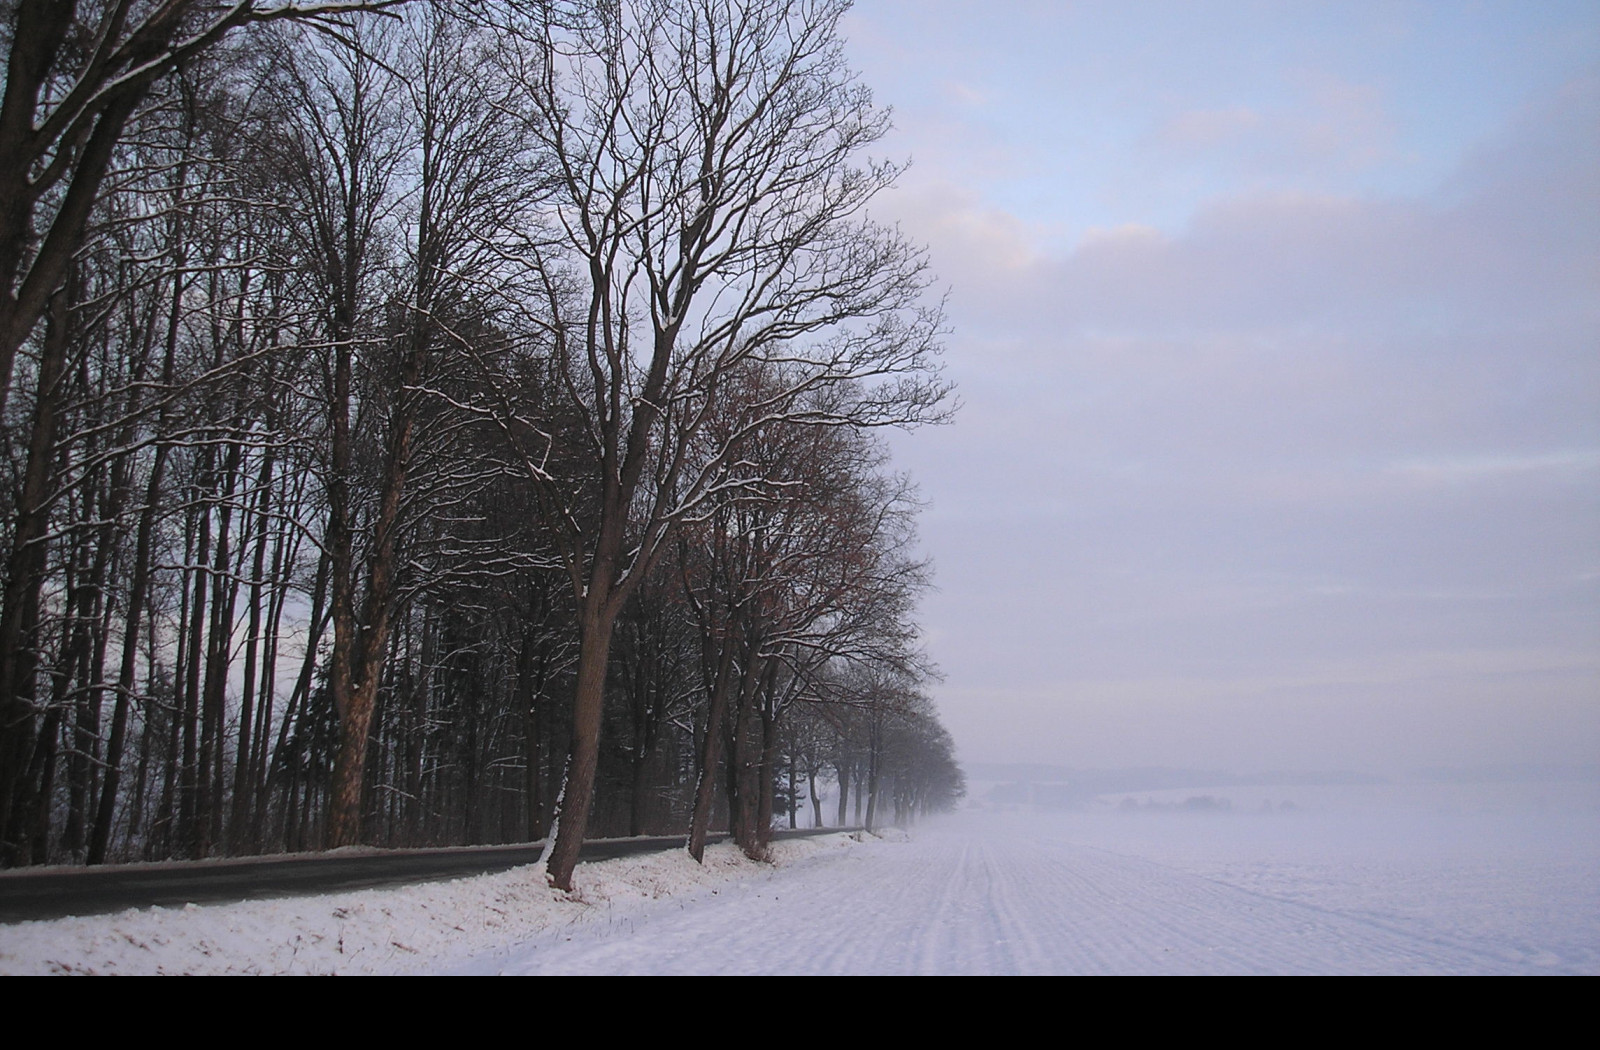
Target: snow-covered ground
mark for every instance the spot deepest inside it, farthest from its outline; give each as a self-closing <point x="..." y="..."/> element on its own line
<point x="406" y="929"/>
<point x="1344" y="880"/>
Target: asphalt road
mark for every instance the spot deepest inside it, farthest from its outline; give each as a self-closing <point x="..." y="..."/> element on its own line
<point x="51" y="893"/>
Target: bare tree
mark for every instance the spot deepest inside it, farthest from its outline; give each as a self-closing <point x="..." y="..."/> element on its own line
<point x="703" y="188"/>
<point x="397" y="371"/>
<point x="75" y="73"/>
<point x="815" y="568"/>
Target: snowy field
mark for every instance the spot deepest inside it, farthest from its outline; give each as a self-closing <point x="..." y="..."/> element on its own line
<point x="1347" y="880"/>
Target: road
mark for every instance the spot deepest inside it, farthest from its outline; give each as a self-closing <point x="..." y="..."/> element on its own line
<point x="52" y="893"/>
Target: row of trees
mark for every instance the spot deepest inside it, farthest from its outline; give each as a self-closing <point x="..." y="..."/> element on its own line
<point x="452" y="424"/>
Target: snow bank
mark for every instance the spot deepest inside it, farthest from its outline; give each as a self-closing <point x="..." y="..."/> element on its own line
<point x="380" y="931"/>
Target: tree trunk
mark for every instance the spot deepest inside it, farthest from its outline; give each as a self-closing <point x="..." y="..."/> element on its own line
<point x="744" y="806"/>
<point x="843" y="771"/>
<point x="873" y="762"/>
<point x="710" y="753"/>
<point x="106" y="811"/>
<point x="577" y="793"/>
<point x="24" y="578"/>
<point x="767" y="768"/>
<point x="366" y="671"/>
<point x="530" y="691"/>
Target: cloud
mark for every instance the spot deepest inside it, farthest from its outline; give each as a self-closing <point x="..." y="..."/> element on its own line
<point x="1331" y="127"/>
<point x="966" y="95"/>
<point x="1319" y="449"/>
<point x="973" y="245"/>
<point x="1450" y="469"/>
<point x="1204" y="129"/>
<point x="1508" y="242"/>
<point x="1400" y="328"/>
<point x="1347" y="124"/>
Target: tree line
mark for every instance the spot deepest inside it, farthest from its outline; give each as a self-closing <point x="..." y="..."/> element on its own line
<point x="431" y="423"/>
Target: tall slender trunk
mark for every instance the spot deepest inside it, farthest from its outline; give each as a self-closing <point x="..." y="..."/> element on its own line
<point x="218" y="652"/>
<point x="874" y="761"/>
<point x="771" y="746"/>
<point x="843" y="769"/>
<point x="341" y="558"/>
<point x="24" y="578"/>
<point x="76" y="666"/>
<point x="244" y="765"/>
<point x="794" y="803"/>
<point x="137" y="592"/>
<point x="745" y="804"/>
<point x="530" y="690"/>
<point x="647" y="704"/>
<point x="767" y="777"/>
<point x="710" y="753"/>
<point x="365" y="669"/>
<point x="282" y="556"/>
<point x="198" y="553"/>
<point x="287" y="775"/>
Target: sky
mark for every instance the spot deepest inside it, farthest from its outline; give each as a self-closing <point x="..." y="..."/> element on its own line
<point x="1277" y="332"/>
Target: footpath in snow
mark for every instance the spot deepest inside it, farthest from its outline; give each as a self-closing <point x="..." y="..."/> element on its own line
<point x="1318" y="889"/>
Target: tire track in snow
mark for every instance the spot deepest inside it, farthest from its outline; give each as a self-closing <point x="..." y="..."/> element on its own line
<point x="977" y="898"/>
<point x="935" y="941"/>
<point x="1422" y="946"/>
